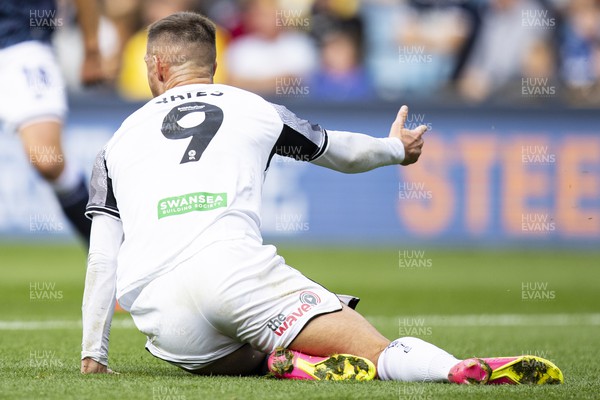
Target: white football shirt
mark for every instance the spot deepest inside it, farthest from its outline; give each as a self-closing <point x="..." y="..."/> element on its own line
<point x="186" y="170"/>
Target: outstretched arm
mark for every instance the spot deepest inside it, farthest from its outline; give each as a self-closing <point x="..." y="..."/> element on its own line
<point x="354" y="152"/>
<point x="99" y="294"/>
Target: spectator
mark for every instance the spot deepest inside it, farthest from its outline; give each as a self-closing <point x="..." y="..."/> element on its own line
<point x="270" y="55"/>
<point x="513" y="42"/>
<point x="413" y="46"/>
<point x="341" y="76"/>
<point x="68" y="44"/>
<point x="428" y="45"/>
<point x="328" y="14"/>
<point x="125" y="16"/>
<point x="225" y="13"/>
<point x="580" y="50"/>
<point x="338" y="30"/>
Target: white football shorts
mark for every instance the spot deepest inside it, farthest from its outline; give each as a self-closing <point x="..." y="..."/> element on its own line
<point x="32" y="85"/>
<point x="231" y="293"/>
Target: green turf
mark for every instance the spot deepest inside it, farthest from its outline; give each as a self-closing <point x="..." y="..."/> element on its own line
<point x="44" y="363"/>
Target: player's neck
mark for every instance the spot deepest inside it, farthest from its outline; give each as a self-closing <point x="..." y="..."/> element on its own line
<point x="182" y="78"/>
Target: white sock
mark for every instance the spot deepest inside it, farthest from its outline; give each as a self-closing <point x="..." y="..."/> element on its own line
<point x="411" y="359"/>
<point x="67" y="181"/>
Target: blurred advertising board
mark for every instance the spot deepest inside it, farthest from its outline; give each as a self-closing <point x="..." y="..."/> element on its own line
<point x="490" y="177"/>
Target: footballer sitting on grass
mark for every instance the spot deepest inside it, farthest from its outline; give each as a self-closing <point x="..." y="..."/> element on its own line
<point x="175" y="205"/>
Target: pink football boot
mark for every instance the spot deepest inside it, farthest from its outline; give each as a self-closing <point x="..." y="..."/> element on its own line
<point x="290" y="364"/>
<point x="506" y="370"/>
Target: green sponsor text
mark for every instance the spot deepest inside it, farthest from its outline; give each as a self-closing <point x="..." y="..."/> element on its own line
<point x="200" y="201"/>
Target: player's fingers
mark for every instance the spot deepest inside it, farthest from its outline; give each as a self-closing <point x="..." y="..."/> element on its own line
<point x="401" y="117"/>
<point x="420" y="130"/>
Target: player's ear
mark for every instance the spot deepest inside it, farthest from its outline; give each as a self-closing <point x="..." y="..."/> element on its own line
<point x="160" y="68"/>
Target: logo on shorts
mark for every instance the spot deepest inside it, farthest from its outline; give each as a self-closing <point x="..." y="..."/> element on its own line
<point x="311" y="298"/>
<point x="281" y="322"/>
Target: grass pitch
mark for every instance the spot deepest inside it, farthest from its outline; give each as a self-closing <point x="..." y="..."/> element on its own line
<point x="470" y="303"/>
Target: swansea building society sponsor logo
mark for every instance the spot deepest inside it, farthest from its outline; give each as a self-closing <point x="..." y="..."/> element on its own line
<point x="281" y="322"/>
<point x="200" y="201"/>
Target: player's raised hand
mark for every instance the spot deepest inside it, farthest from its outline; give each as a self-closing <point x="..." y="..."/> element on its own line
<point x="410" y="138"/>
<point x="90" y="366"/>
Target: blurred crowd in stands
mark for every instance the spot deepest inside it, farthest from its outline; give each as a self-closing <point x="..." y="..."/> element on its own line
<point x="468" y="51"/>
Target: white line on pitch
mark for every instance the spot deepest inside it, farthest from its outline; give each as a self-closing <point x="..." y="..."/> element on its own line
<point x="493" y="320"/>
<point x="55" y="324"/>
<point x="429" y="320"/>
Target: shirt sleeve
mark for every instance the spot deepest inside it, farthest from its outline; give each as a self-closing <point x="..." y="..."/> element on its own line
<point x="100" y="287"/>
<point x="102" y="199"/>
<point x="299" y="139"/>
<point x="352" y="153"/>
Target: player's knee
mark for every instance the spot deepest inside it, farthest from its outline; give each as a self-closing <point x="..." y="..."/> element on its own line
<point x="49" y="167"/>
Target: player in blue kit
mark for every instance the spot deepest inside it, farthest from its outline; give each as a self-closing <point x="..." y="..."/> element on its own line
<point x="175" y="205"/>
<point x="32" y="99"/>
